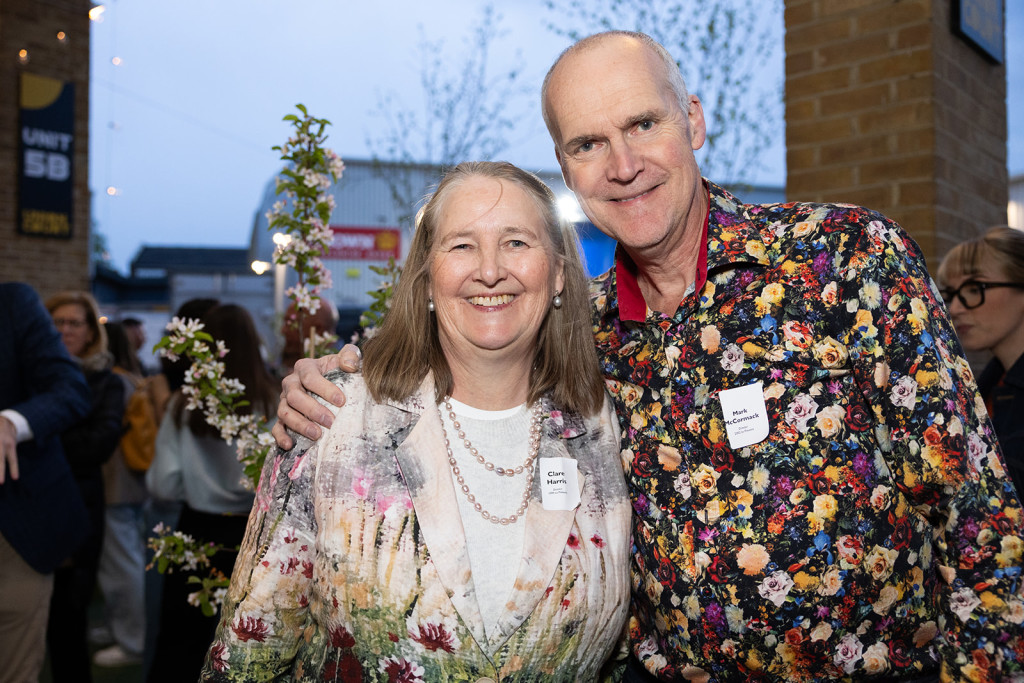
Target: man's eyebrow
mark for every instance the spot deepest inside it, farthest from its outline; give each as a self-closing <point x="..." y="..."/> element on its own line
<point x="578" y="140"/>
<point x="649" y="115"/>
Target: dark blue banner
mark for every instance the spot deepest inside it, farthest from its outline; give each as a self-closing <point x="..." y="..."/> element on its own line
<point x="46" y="150"/>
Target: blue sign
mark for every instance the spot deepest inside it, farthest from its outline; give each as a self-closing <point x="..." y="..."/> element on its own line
<point x="46" y="146"/>
<point x="982" y="23"/>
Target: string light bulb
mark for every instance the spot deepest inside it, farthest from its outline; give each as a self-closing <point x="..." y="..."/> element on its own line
<point x="23" y="56"/>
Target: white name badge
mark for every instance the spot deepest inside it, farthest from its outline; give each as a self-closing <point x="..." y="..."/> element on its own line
<point x="746" y="417"/>
<point x="559" y="486"/>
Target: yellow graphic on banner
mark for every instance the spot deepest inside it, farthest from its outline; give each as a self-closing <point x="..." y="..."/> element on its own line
<point x="39" y="92"/>
<point x="46" y="223"/>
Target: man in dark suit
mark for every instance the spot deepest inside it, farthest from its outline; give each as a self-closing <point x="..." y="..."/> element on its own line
<point x="42" y="517"/>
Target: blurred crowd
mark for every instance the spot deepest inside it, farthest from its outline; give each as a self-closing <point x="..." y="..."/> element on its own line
<point x="98" y="452"/>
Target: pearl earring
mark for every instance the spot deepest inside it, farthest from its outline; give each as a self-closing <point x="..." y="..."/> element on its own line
<point x="557" y="300"/>
<point x="430" y="305"/>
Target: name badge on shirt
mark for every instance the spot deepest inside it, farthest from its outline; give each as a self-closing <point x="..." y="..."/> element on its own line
<point x="746" y="416"/>
<point x="559" y="486"/>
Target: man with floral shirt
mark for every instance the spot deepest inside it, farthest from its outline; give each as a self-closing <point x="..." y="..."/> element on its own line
<point x="818" y="493"/>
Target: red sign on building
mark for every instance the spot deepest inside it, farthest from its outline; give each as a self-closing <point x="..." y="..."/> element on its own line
<point x="364" y="244"/>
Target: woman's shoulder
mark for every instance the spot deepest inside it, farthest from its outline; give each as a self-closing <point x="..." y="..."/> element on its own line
<point x="343" y="379"/>
<point x="351" y="383"/>
<point x="363" y="414"/>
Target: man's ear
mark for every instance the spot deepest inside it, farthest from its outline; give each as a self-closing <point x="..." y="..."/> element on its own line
<point x="698" y="128"/>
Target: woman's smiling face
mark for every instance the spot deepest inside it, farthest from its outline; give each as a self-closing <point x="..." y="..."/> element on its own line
<point x="493" y="272"/>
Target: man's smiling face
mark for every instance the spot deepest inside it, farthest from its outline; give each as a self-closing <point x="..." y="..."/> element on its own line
<point x="625" y="145"/>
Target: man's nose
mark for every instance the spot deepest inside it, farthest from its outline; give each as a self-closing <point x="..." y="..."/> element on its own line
<point x="624" y="163"/>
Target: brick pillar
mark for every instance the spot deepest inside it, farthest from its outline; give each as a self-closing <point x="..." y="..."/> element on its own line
<point x="887" y="107"/>
<point x="48" y="264"/>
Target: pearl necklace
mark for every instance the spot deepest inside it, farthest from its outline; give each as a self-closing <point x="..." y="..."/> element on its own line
<point x="527" y="465"/>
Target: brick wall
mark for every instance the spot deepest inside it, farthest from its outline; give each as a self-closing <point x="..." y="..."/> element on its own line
<point x="48" y="264"/>
<point x="886" y="107"/>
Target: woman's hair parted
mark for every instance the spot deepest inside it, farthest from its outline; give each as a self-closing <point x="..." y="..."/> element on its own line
<point x="1001" y="246"/>
<point x="407" y="344"/>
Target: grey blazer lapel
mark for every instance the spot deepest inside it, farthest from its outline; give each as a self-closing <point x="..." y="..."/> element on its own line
<point x="424" y="465"/>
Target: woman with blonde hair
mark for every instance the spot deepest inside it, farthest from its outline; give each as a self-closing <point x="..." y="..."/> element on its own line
<point x="466" y="517"/>
<point x="87" y="446"/>
<point x="983" y="285"/>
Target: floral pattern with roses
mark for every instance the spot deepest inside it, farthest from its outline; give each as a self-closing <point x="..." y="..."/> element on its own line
<point x="354" y="565"/>
<point x="873" y="533"/>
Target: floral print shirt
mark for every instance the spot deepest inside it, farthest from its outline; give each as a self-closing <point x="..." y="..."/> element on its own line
<point x="354" y="564"/>
<point x="873" y="531"/>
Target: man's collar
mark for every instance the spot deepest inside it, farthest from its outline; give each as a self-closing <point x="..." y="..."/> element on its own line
<point x="733" y="237"/>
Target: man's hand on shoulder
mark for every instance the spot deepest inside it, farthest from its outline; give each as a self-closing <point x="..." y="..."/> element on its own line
<point x="299" y="411"/>
<point x="8" y="449"/>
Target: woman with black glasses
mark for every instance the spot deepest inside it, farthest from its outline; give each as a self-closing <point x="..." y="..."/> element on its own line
<point x="983" y="285"/>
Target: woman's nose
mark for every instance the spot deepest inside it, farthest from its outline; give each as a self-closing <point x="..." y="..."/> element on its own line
<point x="955" y="306"/>
<point x="492" y="266"/>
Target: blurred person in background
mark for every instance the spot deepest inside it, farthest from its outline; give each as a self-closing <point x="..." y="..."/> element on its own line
<point x="42" y="516"/>
<point x="136" y="333"/>
<point x="323" y="321"/>
<point x="88" y="444"/>
<point x="196" y="466"/>
<point x="982" y="282"/>
<point x="171" y="378"/>
<point x="122" y="569"/>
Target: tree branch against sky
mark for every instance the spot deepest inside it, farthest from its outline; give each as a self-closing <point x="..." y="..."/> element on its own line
<point x="721" y="47"/>
<point x="468" y="110"/>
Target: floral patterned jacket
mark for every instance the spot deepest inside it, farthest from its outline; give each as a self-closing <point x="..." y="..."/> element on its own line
<point x="873" y="532"/>
<point x="354" y="564"/>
